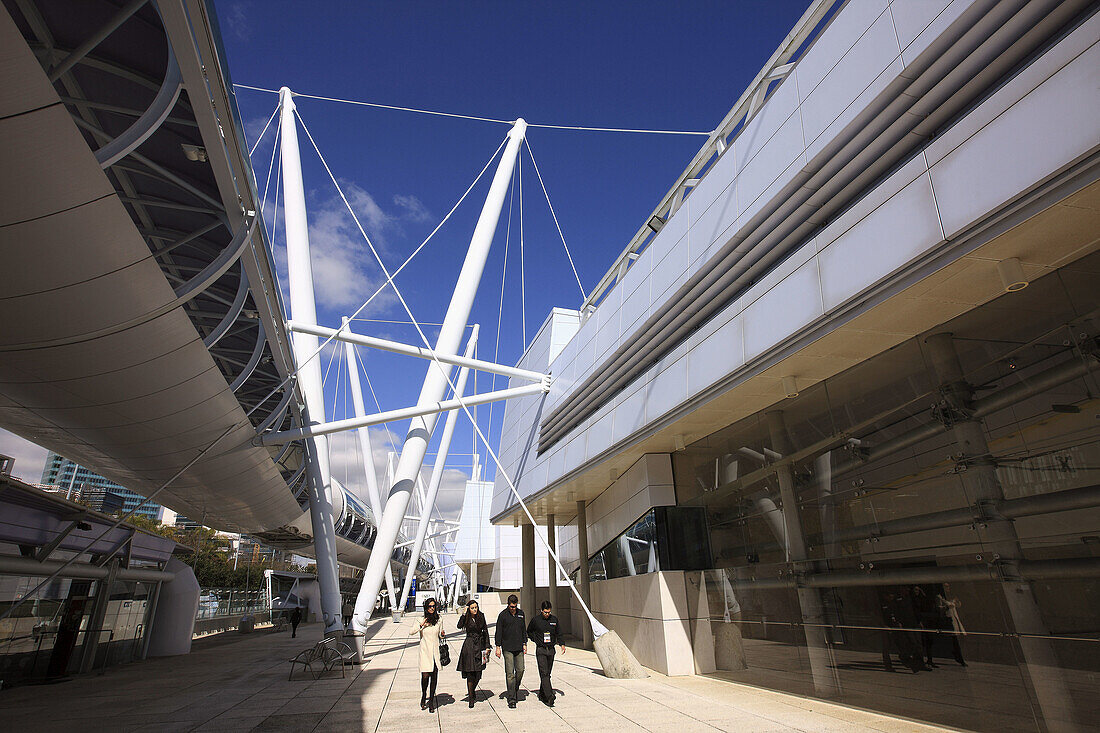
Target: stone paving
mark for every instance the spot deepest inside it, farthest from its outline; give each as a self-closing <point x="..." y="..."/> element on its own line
<point x="239" y="683"/>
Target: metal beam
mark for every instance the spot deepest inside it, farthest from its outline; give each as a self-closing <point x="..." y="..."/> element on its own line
<point x="150" y="121"/>
<point x="121" y="16"/>
<point x="427" y="501"/>
<point x="428" y="537"/>
<point x="46" y="550"/>
<point x="278" y="438"/>
<point x="396" y="347"/>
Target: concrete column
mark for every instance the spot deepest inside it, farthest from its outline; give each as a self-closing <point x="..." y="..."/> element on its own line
<point x="582" y="571"/>
<point x="527" y="593"/>
<point x="981" y="487"/>
<point x="552" y="577"/>
<point x="473" y="580"/>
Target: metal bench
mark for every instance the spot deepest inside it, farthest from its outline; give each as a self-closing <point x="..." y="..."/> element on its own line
<point x="322" y="657"/>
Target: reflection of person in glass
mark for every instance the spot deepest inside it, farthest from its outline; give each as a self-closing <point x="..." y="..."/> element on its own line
<point x="949" y="605"/>
<point x="897" y="613"/>
<point x="929" y="617"/>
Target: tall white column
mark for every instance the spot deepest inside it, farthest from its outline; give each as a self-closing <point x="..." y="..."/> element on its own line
<point x="303" y="307"/>
<point x="365" y="446"/>
<point x="437" y="472"/>
<point x="436" y="379"/>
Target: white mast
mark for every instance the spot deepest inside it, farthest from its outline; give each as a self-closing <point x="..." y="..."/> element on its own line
<point x="436" y="379"/>
<point x="304" y="308"/>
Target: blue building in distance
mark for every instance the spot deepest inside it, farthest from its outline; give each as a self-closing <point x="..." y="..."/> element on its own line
<point x="98" y="492"/>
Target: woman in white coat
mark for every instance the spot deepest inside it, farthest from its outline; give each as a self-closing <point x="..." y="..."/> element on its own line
<point x="431" y="636"/>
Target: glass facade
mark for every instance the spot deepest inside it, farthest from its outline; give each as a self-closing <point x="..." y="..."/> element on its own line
<point x="665" y="538"/>
<point x="96" y="491"/>
<point x="48" y="636"/>
<point x="920" y="534"/>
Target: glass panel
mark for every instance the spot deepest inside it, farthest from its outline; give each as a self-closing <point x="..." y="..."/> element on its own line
<point x="919" y="534"/>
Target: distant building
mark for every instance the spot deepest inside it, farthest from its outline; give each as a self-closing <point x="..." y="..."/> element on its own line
<point x="101" y="494"/>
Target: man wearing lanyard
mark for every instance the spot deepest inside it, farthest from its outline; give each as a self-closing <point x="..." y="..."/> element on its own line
<point x="543" y="631"/>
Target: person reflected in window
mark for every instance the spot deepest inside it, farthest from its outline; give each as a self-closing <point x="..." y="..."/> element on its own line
<point x="949" y="605"/>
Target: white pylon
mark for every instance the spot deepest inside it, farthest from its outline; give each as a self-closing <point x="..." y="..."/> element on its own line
<point x="304" y="308"/>
<point x="436" y="379"/>
<point x="365" y="445"/>
<point x="437" y="472"/>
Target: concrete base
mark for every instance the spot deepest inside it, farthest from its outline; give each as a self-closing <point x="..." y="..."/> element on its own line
<point x="729" y="647"/>
<point x="616" y="659"/>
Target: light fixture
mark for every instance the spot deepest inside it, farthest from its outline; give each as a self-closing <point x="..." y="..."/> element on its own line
<point x="515" y="520"/>
<point x="1012" y="275"/>
<point x="790" y="386"/>
<point x="655" y="223"/>
<point x="194" y="153"/>
<point x="678" y="442"/>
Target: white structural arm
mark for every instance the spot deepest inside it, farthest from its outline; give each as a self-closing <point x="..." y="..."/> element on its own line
<point x="397" y="347"/>
<point x="428" y="502"/>
<point x="368" y="451"/>
<point x="403" y="414"/>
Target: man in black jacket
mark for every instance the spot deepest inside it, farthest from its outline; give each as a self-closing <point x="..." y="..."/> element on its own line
<point x="511" y="638"/>
<point x="543" y="632"/>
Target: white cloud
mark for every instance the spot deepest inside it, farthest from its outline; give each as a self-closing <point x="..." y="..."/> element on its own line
<point x="345" y="271"/>
<point x="237" y="19"/>
<point x="29" y="458"/>
<point x="414" y="208"/>
<point x="346" y="465"/>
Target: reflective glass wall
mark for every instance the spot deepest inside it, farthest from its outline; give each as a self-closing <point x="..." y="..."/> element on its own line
<point x="920" y="534"/>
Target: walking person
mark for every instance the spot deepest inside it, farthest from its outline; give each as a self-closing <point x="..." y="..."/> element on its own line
<point x="431" y="636"/>
<point x="295" y="619"/>
<point x="948" y="605"/>
<point x="543" y="632"/>
<point x="511" y="639"/>
<point x="475" y="649"/>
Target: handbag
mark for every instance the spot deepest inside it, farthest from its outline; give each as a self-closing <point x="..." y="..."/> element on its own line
<point x="444" y="653"/>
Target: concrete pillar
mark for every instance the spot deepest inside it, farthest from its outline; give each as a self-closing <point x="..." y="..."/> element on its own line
<point x="582" y="571"/>
<point x="552" y="578"/>
<point x="527" y="592"/>
<point x="473" y="579"/>
<point x="981" y="487"/>
<point x="173" y="622"/>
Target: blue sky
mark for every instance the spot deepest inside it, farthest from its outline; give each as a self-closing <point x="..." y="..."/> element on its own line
<point x="661" y="65"/>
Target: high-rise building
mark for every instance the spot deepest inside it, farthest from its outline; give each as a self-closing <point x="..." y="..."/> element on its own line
<point x="100" y="493"/>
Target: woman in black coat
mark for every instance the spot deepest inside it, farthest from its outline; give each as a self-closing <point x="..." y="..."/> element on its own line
<point x="472" y="658"/>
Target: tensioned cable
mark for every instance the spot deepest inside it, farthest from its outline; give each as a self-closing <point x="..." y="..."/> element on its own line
<point x="267" y="183"/>
<point x="446" y="375"/>
<point x="264" y="131"/>
<point x="246" y="420"/>
<point x="546" y="193"/>
<point x="500" y="308"/>
<point x="477" y="118"/>
<point x="522" y="276"/>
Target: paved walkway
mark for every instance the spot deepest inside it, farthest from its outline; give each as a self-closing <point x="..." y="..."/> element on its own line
<point x="239" y="683"/>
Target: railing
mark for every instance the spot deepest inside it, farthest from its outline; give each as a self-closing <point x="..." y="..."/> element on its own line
<point x="214" y="602"/>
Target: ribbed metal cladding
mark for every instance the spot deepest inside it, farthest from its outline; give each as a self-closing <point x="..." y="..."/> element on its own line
<point x="971" y="59"/>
